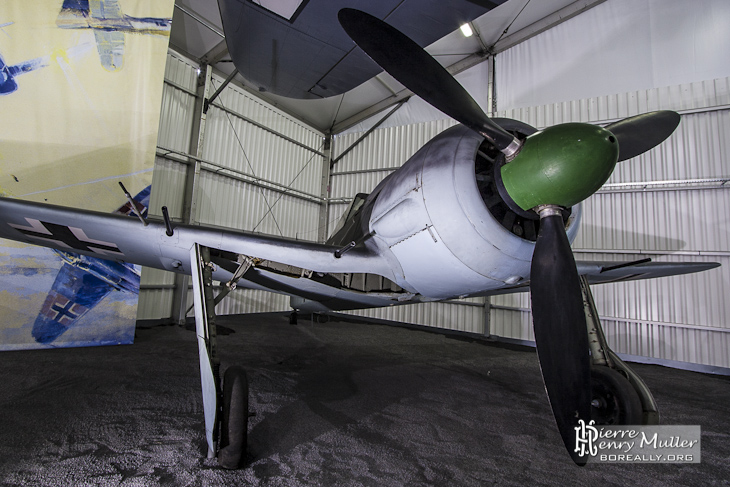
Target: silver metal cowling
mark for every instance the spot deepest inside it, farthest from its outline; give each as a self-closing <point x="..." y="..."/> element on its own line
<point x="431" y="217"/>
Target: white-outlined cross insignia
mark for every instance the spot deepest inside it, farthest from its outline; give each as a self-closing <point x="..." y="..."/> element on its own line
<point x="71" y="238"/>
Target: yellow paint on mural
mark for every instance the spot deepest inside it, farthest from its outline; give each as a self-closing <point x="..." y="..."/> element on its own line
<point x="73" y="123"/>
<point x="14" y="316"/>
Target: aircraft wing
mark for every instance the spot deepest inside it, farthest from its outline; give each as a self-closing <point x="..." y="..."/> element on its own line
<point x="122" y="238"/>
<point x="603" y="272"/>
<point x="310" y="56"/>
<point x="110" y="45"/>
<point x="125" y="239"/>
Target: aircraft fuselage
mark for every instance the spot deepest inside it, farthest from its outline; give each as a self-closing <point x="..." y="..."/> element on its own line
<point x="76" y="19"/>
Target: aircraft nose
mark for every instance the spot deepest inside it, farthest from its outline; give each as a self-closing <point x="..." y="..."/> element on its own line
<point x="562" y="165"/>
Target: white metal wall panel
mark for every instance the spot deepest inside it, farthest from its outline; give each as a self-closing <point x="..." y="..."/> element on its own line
<point x="614" y="47"/>
<point x="176" y="117"/>
<point x="384" y="148"/>
<point x="232" y="203"/>
<point x="239" y="149"/>
<point x="699" y="96"/>
<point x="510" y="317"/>
<point x="662" y="220"/>
<point x="234" y="142"/>
<point x="468" y="316"/>
<point x="241" y="301"/>
<point x="684" y="218"/>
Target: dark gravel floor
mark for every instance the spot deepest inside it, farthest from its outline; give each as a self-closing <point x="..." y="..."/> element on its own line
<point x="340" y="404"/>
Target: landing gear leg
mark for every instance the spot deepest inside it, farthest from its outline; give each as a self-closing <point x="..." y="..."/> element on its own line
<point x="234" y="399"/>
<point x="620" y="396"/>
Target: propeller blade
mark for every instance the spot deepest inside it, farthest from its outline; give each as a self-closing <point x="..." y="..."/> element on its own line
<point x="415" y="69"/>
<point x="638" y="134"/>
<point x="560" y="328"/>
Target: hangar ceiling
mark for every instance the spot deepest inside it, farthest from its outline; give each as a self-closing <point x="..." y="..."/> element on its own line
<point x="197" y="33"/>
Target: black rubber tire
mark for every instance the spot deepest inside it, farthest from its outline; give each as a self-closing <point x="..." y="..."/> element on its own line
<point x="614" y="399"/>
<point x="234" y="423"/>
<point x="293" y="318"/>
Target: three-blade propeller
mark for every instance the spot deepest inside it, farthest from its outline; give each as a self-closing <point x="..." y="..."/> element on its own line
<point x="549" y="171"/>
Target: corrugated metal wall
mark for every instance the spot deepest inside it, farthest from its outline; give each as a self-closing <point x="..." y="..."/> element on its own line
<point x="670" y="204"/>
<point x="261" y="171"/>
<point x="681" y="318"/>
<point x="175" y="131"/>
<point x="244" y="136"/>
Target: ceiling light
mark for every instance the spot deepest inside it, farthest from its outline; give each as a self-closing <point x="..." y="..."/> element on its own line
<point x="466" y="30"/>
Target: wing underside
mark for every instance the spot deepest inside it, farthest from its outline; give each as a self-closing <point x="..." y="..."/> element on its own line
<point x="310" y="56"/>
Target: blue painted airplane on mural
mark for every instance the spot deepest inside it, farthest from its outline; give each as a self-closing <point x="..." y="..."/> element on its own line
<point x="109" y="23"/>
<point x="82" y="282"/>
<point x="9" y="73"/>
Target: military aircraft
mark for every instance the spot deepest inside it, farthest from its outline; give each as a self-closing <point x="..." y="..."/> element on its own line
<point x="83" y="281"/>
<point x="8" y="74"/>
<point x="487" y="207"/>
<point x="109" y="24"/>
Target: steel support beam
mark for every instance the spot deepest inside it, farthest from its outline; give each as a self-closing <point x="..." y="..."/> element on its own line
<point x="189" y="215"/>
<point x="324" y="192"/>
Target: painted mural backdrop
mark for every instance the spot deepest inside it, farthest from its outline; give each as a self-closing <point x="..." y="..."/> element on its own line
<point x="80" y="92"/>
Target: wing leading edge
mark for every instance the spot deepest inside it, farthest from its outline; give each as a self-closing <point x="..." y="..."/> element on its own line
<point x="125" y="239"/>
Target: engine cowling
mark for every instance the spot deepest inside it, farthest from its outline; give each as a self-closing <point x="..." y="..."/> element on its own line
<point x="441" y="214"/>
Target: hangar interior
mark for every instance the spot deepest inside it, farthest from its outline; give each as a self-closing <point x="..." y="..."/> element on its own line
<point x="266" y="164"/>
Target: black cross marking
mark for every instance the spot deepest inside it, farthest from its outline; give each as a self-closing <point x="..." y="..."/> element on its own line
<point x="65" y="235"/>
<point x="64" y="311"/>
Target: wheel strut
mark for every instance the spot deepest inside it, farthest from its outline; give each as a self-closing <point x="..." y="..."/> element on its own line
<point x="603" y="357"/>
<point x="234" y="397"/>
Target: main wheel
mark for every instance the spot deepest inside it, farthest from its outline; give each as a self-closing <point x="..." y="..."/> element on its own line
<point x="614" y="400"/>
<point x="234" y="423"/>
